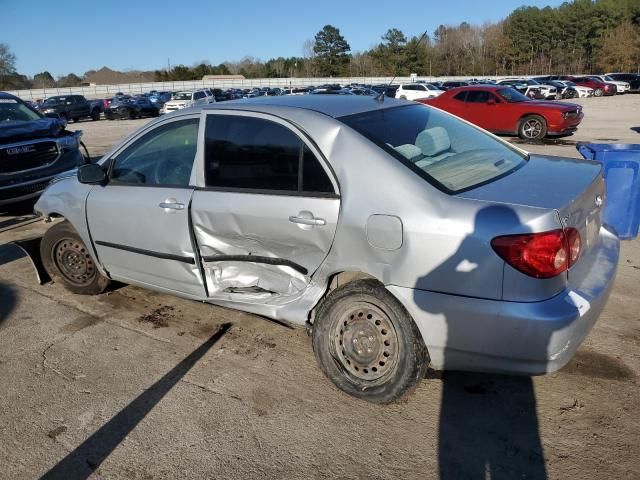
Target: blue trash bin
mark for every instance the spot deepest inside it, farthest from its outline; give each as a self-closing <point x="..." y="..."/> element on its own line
<point x="621" y="172"/>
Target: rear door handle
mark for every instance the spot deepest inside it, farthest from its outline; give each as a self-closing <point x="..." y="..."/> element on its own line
<point x="307" y="221"/>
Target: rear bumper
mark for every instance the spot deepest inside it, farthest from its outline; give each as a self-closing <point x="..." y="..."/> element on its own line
<point x="528" y="338"/>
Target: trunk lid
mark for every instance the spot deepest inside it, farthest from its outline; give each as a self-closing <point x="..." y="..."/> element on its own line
<point x="574" y="188"/>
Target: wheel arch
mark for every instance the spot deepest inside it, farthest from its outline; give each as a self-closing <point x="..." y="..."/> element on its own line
<point x="344" y="277"/>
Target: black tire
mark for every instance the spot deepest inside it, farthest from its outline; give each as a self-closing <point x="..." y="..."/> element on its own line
<point x="532" y="127"/>
<point x="63" y="117"/>
<point x="396" y="358"/>
<point x="68" y="261"/>
<point x="76" y="119"/>
<point x="95" y="114"/>
<point x="132" y="115"/>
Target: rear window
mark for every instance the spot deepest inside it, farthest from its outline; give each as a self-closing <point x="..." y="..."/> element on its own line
<point x="445" y="151"/>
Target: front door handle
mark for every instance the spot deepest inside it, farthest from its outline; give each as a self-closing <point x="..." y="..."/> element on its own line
<point x="170" y="205"/>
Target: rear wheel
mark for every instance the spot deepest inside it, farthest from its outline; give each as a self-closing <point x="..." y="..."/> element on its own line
<point x="95" y="114"/>
<point x="68" y="261"/>
<point x="367" y="344"/>
<point x="532" y="127"/>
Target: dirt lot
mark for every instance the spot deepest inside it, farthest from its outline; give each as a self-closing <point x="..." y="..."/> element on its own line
<point x="134" y="384"/>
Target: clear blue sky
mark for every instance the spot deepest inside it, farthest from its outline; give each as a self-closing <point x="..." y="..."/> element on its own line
<point x="75" y="36"/>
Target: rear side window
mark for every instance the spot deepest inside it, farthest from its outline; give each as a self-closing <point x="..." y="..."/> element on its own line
<point x="460" y="96"/>
<point x="437" y="146"/>
<point x="478" y="96"/>
<point x="246" y="153"/>
<point x="198" y="95"/>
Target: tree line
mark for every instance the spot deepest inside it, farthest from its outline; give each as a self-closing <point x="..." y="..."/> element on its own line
<point x="580" y="36"/>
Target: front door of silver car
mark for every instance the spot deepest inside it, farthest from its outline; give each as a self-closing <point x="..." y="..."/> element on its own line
<point x="266" y="217"/>
<point x="139" y="220"/>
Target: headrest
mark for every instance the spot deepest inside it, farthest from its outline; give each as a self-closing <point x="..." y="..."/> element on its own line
<point x="433" y="141"/>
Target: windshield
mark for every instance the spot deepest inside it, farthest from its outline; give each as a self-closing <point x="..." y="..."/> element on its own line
<point x="182" y="96"/>
<point x="512" y="96"/>
<point x="12" y="110"/>
<point x="608" y="78"/>
<point x="448" y="153"/>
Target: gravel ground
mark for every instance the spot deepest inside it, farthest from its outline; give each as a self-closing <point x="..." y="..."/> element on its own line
<point x="138" y="385"/>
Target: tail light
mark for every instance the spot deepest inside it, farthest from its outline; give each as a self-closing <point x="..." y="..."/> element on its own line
<point x="540" y="255"/>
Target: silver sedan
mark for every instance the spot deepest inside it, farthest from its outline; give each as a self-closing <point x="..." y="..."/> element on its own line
<point x="402" y="236"/>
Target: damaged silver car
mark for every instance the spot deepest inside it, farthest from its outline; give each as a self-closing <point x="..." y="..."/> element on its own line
<point x="402" y="236"/>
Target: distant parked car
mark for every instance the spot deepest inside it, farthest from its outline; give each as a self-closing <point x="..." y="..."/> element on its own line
<point x="578" y="91"/>
<point x="531" y="88"/>
<point x="600" y="87"/>
<point x="72" y="107"/>
<point x="186" y="99"/>
<point x="452" y="84"/>
<point x="159" y="98"/>
<point x="621" y="86"/>
<point x="632" y="79"/>
<point x="131" y="108"/>
<point x="415" y="91"/>
<point x="502" y="109"/>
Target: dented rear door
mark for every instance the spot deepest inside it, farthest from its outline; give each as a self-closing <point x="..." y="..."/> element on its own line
<point x="267" y="216"/>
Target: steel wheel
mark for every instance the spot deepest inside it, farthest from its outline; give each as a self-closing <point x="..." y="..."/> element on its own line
<point x="532" y="128"/>
<point x="74" y="262"/>
<point x="365" y="342"/>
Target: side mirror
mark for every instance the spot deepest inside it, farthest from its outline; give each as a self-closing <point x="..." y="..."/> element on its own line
<point x="91" y="174"/>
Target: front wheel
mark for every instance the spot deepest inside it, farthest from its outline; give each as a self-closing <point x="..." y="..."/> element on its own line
<point x="68" y="261"/>
<point x="599" y="92"/>
<point x="367" y="344"/>
<point x="532" y="127"/>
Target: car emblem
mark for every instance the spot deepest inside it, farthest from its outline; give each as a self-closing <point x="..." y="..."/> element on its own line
<point x="598" y="200"/>
<point x="19" y="150"/>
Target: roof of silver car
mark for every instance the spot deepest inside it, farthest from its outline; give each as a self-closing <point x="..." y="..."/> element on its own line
<point x="332" y="105"/>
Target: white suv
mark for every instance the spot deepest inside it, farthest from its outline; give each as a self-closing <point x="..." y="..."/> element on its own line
<point x="414" y="91"/>
<point x="186" y="99"/>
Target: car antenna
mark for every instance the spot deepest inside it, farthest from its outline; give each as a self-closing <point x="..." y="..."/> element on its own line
<point x="380" y="97"/>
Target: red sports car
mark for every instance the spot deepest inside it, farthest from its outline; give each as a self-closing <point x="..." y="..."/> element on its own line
<point x="504" y="110"/>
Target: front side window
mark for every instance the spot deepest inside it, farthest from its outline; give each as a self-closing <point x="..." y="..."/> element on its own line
<point x="448" y="153"/>
<point x="161" y="157"/>
<point x="511" y="95"/>
<point x="198" y="95"/>
<point x="246" y="153"/>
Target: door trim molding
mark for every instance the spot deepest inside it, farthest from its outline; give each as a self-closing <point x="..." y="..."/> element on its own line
<point x="255" y="259"/>
<point x="149" y="253"/>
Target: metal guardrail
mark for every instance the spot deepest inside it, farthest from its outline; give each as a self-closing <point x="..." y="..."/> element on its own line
<point x="106" y="91"/>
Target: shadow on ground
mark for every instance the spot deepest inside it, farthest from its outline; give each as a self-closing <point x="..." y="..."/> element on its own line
<point x="88" y="456"/>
